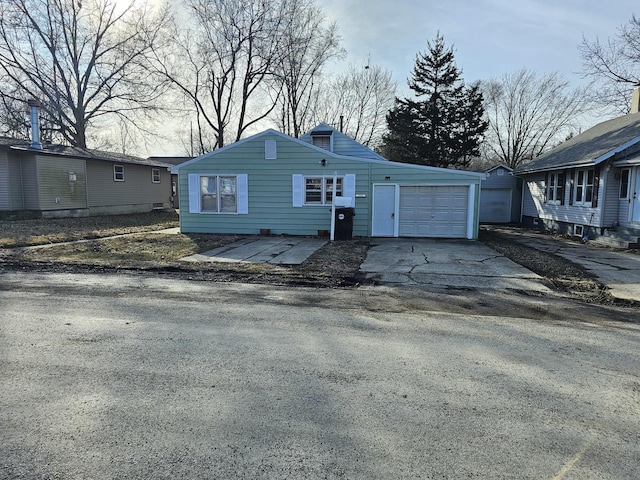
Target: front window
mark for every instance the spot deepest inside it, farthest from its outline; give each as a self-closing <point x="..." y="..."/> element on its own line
<point x="555" y="188"/>
<point x="218" y="194"/>
<point x="319" y="190"/>
<point x="118" y="173"/>
<point x="584" y="187"/>
<point x="155" y="175"/>
<point x="624" y="184"/>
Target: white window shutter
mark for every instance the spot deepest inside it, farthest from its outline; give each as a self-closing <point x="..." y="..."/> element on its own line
<point x="270" y="151"/>
<point x="243" y="194"/>
<point x="350" y="187"/>
<point x="298" y="190"/>
<point x="194" y="193"/>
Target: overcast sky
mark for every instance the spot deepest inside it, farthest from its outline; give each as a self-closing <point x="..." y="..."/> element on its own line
<point x="490" y="37"/>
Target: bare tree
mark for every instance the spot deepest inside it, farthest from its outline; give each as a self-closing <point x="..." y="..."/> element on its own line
<point x="83" y="60"/>
<point x="528" y="114"/>
<point x="358" y="101"/>
<point x="306" y="44"/>
<point x="614" y="66"/>
<point x="220" y="66"/>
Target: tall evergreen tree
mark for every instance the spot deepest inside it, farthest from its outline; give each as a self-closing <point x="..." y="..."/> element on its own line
<point x="443" y="125"/>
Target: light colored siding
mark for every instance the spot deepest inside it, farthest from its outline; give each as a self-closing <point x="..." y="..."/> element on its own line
<point x="534" y="205"/>
<point x="344" y="145"/>
<point x="533" y="195"/>
<point x="610" y="199"/>
<point x="29" y="178"/>
<point x="499" y="181"/>
<point x="5" y="193"/>
<point x="270" y="185"/>
<point x="137" y="188"/>
<point x="56" y="191"/>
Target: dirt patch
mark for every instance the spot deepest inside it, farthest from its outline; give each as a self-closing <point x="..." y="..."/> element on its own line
<point x="559" y="274"/>
<point x="337" y="264"/>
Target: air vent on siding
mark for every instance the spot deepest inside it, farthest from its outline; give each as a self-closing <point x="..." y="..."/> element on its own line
<point x="270" y="150"/>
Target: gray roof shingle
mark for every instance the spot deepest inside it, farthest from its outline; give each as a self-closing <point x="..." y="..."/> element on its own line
<point x="65" y="150"/>
<point x="590" y="147"/>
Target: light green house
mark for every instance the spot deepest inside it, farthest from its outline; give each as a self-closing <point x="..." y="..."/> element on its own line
<point x="283" y="184"/>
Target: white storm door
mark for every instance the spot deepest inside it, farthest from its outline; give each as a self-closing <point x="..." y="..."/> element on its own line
<point x="384" y="211"/>
<point x="635" y="198"/>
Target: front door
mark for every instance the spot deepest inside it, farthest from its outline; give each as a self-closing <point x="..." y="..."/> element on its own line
<point x="635" y="197"/>
<point x="384" y="211"/>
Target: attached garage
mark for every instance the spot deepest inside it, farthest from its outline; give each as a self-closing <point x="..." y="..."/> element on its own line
<point x="433" y="211"/>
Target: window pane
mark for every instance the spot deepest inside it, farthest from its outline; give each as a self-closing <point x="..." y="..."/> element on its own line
<point x="313" y="190"/>
<point x="329" y="189"/>
<point x="588" y="193"/>
<point x="228" y="202"/>
<point x="624" y="184"/>
<point x="208" y="192"/>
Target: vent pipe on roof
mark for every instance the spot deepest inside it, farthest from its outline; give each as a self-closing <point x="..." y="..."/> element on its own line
<point x="635" y="100"/>
<point x="34" y="106"/>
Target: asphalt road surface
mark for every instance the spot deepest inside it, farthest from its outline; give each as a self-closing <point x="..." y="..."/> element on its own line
<point x="120" y="376"/>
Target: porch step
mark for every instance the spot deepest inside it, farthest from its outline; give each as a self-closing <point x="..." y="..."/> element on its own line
<point x="621" y="237"/>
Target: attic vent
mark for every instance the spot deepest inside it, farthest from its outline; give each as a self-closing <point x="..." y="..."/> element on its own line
<point x="270" y="152"/>
<point x="322" y="139"/>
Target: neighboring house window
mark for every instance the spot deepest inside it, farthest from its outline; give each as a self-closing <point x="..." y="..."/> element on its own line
<point x="155" y="175"/>
<point x="624" y="184"/>
<point x="118" y="173"/>
<point x="584" y="187"/>
<point x="319" y="190"/>
<point x="555" y="188"/>
<point x="227" y="194"/>
<point x="218" y="194"/>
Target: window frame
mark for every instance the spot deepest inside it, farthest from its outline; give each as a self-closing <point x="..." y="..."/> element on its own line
<point x="326" y="181"/>
<point x="218" y="195"/>
<point x="624" y="183"/>
<point x="118" y="176"/>
<point x="555" y="188"/>
<point x="583" y="192"/>
<point x="155" y="172"/>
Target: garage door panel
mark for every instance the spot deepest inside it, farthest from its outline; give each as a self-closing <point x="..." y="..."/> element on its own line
<point x="433" y="211"/>
<point x="495" y="205"/>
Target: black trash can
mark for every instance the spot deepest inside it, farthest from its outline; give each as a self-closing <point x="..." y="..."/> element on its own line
<point x="344" y="223"/>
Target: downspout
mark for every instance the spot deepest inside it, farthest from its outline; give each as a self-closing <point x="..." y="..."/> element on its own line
<point x="34" y="106"/>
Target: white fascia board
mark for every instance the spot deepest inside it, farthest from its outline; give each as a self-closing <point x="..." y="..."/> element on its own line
<point x="619" y="149"/>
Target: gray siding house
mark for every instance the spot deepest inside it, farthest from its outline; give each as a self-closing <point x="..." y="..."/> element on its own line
<point x="589" y="186"/>
<point x="286" y="185"/>
<point x="59" y="181"/>
<point x="500" y="196"/>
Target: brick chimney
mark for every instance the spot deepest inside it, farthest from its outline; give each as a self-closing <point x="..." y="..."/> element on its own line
<point x="34" y="106"/>
<point x="635" y="100"/>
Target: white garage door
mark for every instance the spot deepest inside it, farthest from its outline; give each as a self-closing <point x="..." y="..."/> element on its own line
<point x="434" y="211"/>
<point x="495" y="205"/>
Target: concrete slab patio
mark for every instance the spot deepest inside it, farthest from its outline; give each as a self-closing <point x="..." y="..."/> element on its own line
<point x="276" y="250"/>
<point x="445" y="263"/>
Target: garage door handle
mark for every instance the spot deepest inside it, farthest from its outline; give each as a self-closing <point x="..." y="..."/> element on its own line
<point x="393" y="215"/>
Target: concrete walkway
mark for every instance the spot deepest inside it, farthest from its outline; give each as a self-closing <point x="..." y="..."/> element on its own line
<point x="276" y="250"/>
<point x="618" y="270"/>
<point x="445" y="263"/>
